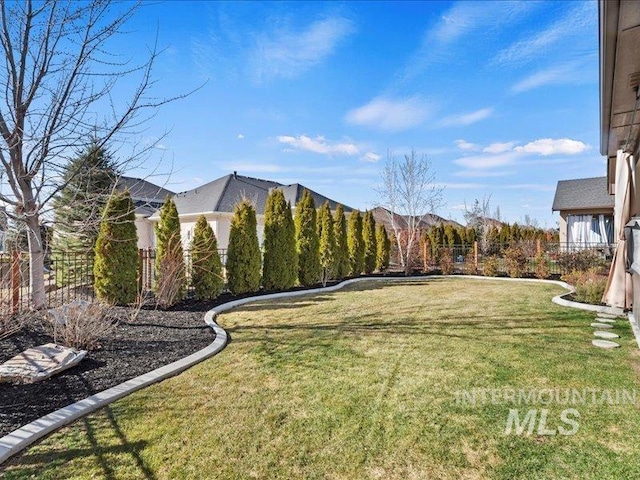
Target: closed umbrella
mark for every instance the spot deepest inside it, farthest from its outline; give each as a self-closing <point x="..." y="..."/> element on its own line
<point x="618" y="292"/>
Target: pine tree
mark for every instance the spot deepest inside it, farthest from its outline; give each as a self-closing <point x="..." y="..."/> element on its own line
<point x="170" y="267"/>
<point x="384" y="249"/>
<point x="356" y="244"/>
<point x="206" y="274"/>
<point x="88" y="181"/>
<point x="370" y="244"/>
<point x="243" y="253"/>
<point x="307" y="242"/>
<point x="116" y="262"/>
<point x="327" y="243"/>
<point x="342" y="267"/>
<point x="280" y="263"/>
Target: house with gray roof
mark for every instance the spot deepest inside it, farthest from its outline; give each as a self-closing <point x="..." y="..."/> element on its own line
<point x="586" y="212"/>
<point x="216" y="200"/>
<point x="147" y="199"/>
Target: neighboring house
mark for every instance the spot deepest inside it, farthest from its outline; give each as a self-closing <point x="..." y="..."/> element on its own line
<point x="586" y="212"/>
<point x="216" y="201"/>
<point x="147" y="199"/>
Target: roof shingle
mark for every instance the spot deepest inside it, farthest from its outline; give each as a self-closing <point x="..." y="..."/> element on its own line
<point x="582" y="194"/>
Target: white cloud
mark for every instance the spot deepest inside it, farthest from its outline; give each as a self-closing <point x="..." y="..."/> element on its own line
<point x="240" y="136"/>
<point x="458" y="186"/>
<point x="469" y="118"/>
<point x="487" y="161"/>
<point x="462" y="207"/>
<point x="499" y="147"/>
<point x="287" y="53"/>
<point x="482" y="173"/>
<point x="371" y="157"/>
<point x="467" y="146"/>
<point x="578" y="18"/>
<point x="569" y="73"/>
<point x="550" y="146"/>
<point x="318" y="145"/>
<point x="390" y="114"/>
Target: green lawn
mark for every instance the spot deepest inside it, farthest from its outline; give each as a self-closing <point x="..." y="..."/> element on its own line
<point x="362" y="383"/>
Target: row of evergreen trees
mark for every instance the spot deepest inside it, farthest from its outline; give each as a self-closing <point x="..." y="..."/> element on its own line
<point x="316" y="247"/>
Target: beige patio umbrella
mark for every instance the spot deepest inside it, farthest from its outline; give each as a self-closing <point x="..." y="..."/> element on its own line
<point x="618" y="292"/>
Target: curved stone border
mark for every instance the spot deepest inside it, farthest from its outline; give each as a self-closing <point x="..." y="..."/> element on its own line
<point x="21" y="438"/>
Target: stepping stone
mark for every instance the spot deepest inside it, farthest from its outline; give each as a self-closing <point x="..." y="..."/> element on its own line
<point x="604" y="344"/>
<point x="39" y="363"/>
<point x="608" y="335"/>
<point x="605" y="320"/>
<point x="607" y="315"/>
<point x="601" y="325"/>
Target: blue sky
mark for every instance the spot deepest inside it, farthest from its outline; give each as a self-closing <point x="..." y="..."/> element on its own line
<point x="502" y="96"/>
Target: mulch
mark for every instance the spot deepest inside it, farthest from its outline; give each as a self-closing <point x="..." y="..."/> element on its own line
<point x="154" y="339"/>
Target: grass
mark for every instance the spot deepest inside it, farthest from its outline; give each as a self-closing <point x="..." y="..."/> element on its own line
<point x="362" y="383"/>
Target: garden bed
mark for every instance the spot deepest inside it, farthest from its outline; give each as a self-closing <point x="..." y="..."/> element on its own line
<point x="154" y="339"/>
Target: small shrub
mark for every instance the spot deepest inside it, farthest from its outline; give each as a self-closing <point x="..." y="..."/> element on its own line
<point x="170" y="281"/>
<point x="490" y="266"/>
<point x="581" y="261"/>
<point x="542" y="266"/>
<point x="470" y="267"/>
<point x="80" y="324"/>
<point x="446" y="261"/>
<point x="589" y="285"/>
<point x="516" y="261"/>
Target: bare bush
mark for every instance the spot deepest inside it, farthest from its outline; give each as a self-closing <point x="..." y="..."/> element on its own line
<point x="490" y="266"/>
<point x="11" y="324"/>
<point x="171" y="280"/>
<point x="446" y="261"/>
<point x="80" y="324"/>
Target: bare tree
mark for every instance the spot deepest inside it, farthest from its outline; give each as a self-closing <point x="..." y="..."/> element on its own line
<point x="408" y="194"/>
<point x="57" y="95"/>
<point x="478" y="217"/>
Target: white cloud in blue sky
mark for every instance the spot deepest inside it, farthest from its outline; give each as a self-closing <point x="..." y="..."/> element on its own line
<point x="497" y="94"/>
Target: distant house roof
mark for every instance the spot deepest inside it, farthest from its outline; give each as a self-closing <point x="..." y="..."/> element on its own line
<point x="223" y="194"/>
<point x="582" y="194"/>
<point x="147" y="197"/>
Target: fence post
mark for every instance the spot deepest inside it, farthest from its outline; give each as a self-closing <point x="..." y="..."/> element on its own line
<point x="475" y="253"/>
<point x="140" y="269"/>
<point x="15" y="281"/>
<point x="538" y="247"/>
<point x="149" y="280"/>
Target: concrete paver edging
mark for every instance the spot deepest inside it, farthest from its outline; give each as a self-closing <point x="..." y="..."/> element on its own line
<point x="21" y="438"/>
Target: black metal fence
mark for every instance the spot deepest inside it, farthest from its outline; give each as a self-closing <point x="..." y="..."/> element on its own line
<point x="68" y="276"/>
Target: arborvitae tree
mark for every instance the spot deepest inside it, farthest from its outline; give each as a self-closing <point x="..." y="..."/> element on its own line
<point x="327" y="243"/>
<point x="384" y="249"/>
<point x="88" y="181"/>
<point x="370" y="243"/>
<point x="116" y="264"/>
<point x="341" y="261"/>
<point x="307" y="241"/>
<point x="280" y="262"/>
<point x="206" y="267"/>
<point x="243" y="253"/>
<point x="356" y="245"/>
<point x="170" y="268"/>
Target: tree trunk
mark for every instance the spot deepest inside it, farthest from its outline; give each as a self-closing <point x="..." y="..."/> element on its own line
<point x="36" y="261"/>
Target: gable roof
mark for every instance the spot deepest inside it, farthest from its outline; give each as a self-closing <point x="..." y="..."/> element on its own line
<point x="293" y="194"/>
<point x="582" y="194"/>
<point x="223" y="194"/>
<point x="147" y="197"/>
